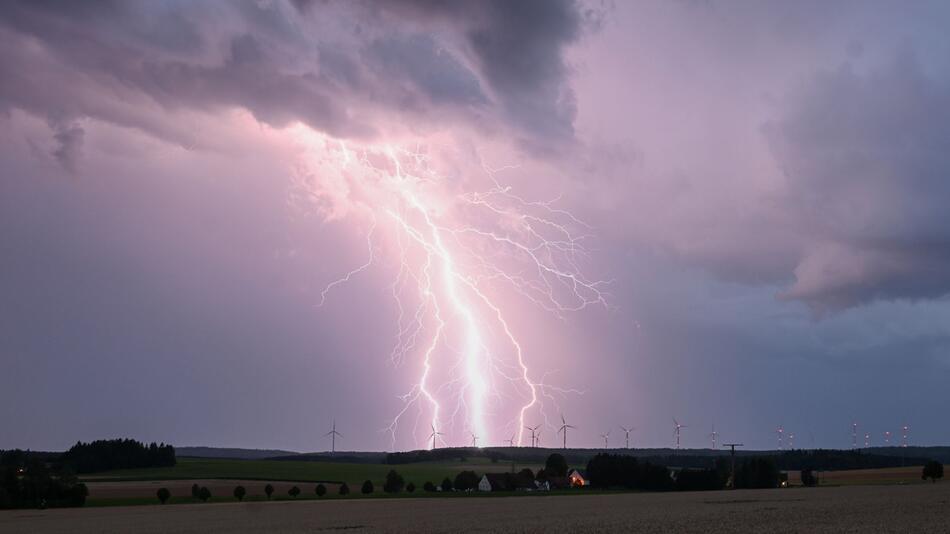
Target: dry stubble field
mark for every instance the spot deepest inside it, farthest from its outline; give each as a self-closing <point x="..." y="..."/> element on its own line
<point x="916" y="508"/>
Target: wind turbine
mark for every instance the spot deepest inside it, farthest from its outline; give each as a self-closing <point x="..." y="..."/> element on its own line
<point x="781" y="434"/>
<point x="626" y="433"/>
<point x="511" y="442"/>
<point x="538" y="441"/>
<point x="333" y="434"/>
<point x="474" y="440"/>
<point x="533" y="430"/>
<point x="867" y="440"/>
<point x="564" y="427"/>
<point x="605" y="436"/>
<point x="714" y="435"/>
<point x="435" y="433"/>
<point x="887" y="438"/>
<point x="904" y="431"/>
<point x="854" y="435"/>
<point x="791" y="442"/>
<point x="676" y="431"/>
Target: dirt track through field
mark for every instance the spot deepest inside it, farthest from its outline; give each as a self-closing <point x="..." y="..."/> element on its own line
<point x="918" y="508"/>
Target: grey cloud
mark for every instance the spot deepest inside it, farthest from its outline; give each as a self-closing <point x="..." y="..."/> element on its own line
<point x="69" y="138"/>
<point x="867" y="165"/>
<point x="286" y="64"/>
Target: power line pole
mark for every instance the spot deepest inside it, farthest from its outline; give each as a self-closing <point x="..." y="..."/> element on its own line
<point x="733" y="446"/>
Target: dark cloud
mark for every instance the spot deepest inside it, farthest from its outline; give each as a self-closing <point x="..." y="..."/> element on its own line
<point x="865" y="155"/>
<point x="332" y="65"/>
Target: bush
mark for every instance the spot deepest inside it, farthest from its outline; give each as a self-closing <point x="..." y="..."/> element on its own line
<point x="466" y="480"/>
<point x="446" y="484"/>
<point x="698" y="480"/>
<point x="78" y="494"/>
<point x="163" y="495"/>
<point x="526" y="473"/>
<point x="394" y="482"/>
<point x="428" y="486"/>
<point x="556" y="466"/>
<point x="410" y="487"/>
<point x="758" y="472"/>
<point x="344" y="489"/>
<point x="195" y="491"/>
<point x="321" y="490"/>
<point x="268" y="490"/>
<point x="808" y="478"/>
<point x="367" y="487"/>
<point x="932" y="470"/>
<point x="239" y="493"/>
<point x="293" y="492"/>
<point x="204" y="494"/>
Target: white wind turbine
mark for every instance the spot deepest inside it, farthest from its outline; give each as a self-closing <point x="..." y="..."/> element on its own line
<point x="564" y="427"/>
<point x="626" y="433"/>
<point x="676" y="431"/>
<point x="435" y="433"/>
<point x="333" y="434"/>
<point x="606" y="437"/>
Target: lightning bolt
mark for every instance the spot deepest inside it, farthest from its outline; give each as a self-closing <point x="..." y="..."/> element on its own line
<point x="455" y="252"/>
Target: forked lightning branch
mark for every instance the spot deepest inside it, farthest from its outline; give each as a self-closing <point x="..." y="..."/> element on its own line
<point x="460" y="260"/>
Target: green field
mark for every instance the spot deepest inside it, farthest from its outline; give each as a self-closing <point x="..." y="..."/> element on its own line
<point x="352" y="473"/>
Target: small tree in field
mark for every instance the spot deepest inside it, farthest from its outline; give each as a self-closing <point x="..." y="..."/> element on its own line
<point x="293" y="492"/>
<point x="321" y="490"/>
<point x="932" y="470"/>
<point x="367" y="487"/>
<point x="163" y="495"/>
<point x="204" y="494"/>
<point x="268" y="490"/>
<point x="410" y="487"/>
<point x="195" y="491"/>
<point x="344" y="489"/>
<point x="394" y="482"/>
<point x="239" y="493"/>
<point x="446" y="484"/>
<point x="428" y="486"/>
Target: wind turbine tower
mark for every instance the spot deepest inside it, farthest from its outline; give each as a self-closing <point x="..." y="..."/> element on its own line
<point x="533" y="430"/>
<point x="887" y="438"/>
<point x="333" y="434"/>
<point x="676" y="431"/>
<point x="715" y="436"/>
<point x="867" y="440"/>
<point x="435" y="433"/>
<point x="605" y="436"/>
<point x="626" y="433"/>
<point x="564" y="427"/>
<point x="791" y="442"/>
<point x="781" y="435"/>
<point x="474" y="440"/>
<point x="854" y="435"/>
<point x="511" y="441"/>
<point x="904" y="431"/>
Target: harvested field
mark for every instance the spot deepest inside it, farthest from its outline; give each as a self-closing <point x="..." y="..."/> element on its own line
<point x="916" y="508"/>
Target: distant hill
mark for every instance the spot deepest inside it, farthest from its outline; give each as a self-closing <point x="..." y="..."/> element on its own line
<point x="234" y="454"/>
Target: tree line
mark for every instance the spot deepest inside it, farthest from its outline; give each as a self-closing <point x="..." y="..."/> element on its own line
<point x="104" y="455"/>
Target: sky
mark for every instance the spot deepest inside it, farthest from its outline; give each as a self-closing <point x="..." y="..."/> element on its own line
<point x="232" y="223"/>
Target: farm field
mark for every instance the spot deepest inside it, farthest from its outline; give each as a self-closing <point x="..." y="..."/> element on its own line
<point x="915" y="508"/>
<point x="254" y="474"/>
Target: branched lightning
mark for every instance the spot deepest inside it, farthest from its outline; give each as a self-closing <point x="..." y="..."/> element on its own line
<point x="457" y="256"/>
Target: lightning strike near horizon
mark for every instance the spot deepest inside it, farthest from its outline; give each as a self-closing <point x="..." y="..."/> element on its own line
<point x="458" y="256"/>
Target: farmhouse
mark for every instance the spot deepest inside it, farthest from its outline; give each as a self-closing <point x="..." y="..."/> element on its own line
<point x="505" y="482"/>
<point x="577" y="478"/>
<point x="493" y="482"/>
